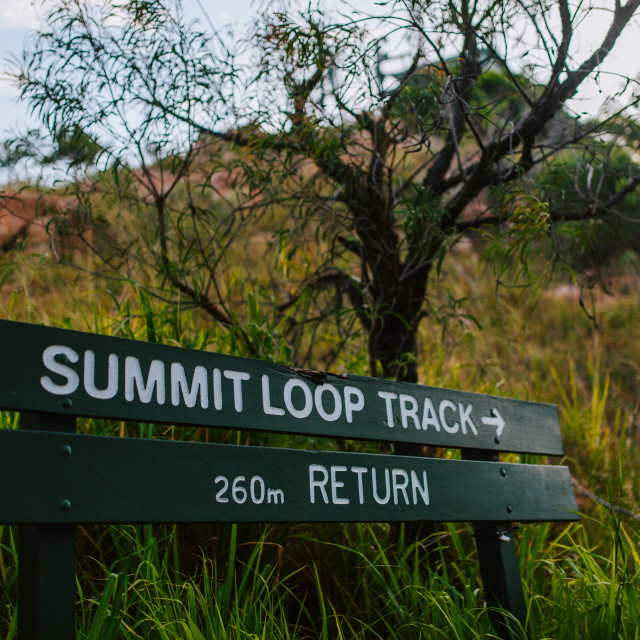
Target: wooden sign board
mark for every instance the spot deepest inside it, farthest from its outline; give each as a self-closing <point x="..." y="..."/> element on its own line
<point x="72" y="478"/>
<point x="69" y="372"/>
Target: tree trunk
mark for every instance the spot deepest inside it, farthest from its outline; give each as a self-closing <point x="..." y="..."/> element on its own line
<point x="393" y="344"/>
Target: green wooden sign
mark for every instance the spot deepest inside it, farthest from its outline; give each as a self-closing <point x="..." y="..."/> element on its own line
<point x="69" y="372"/>
<point x="69" y="478"/>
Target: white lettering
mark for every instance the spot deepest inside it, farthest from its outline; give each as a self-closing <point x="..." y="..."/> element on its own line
<point x="90" y="376"/>
<point x="238" y="492"/>
<point x="257" y="481"/>
<point x="179" y="385"/>
<point x="374" y="480"/>
<point x="336" y="484"/>
<point x="409" y="409"/>
<point x="308" y="398"/>
<point x="359" y="471"/>
<point x="416" y="487"/>
<point x="133" y="374"/>
<point x="429" y="416"/>
<point x="349" y="405"/>
<point x="321" y="484"/>
<point x="225" y="485"/>
<point x="217" y="389"/>
<point x="237" y="377"/>
<point x="266" y="399"/>
<point x="258" y="491"/>
<point x="49" y="360"/>
<point x="388" y="396"/>
<point x="337" y="402"/>
<point x="447" y="404"/>
<point x="276" y="496"/>
<point x="465" y="418"/>
<point x="398" y="486"/>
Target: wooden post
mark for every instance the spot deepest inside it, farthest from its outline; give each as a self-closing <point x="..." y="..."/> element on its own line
<point x="499" y="566"/>
<point x="501" y="576"/>
<point x="47" y="563"/>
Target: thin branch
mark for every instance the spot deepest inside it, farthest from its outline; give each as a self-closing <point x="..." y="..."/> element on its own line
<point x="622" y="15"/>
<point x="580" y="490"/>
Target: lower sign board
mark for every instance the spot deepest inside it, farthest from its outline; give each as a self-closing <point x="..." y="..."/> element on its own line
<point x="68" y="478"/>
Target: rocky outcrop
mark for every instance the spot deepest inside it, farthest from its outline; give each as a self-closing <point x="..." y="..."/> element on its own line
<point x="40" y="223"/>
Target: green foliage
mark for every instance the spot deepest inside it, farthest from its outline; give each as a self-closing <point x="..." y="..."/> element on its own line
<point x="366" y="581"/>
<point x="68" y="146"/>
<point x="368" y="144"/>
<point x="417" y="107"/>
<point x="495" y="95"/>
<point x="513" y="253"/>
<point x="289" y="226"/>
<point x="576" y="184"/>
<point x="156" y="601"/>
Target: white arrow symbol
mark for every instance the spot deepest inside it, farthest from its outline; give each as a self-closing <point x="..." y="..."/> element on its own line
<point x="497" y="421"/>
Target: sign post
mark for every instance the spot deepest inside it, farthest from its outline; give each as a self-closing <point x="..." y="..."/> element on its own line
<point x="47" y="567"/>
<point x="58" y="479"/>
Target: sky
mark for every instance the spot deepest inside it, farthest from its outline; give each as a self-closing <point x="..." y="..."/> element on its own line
<point x="17" y="17"/>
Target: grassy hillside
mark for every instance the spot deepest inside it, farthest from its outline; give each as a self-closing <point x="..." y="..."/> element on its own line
<point x="367" y="581"/>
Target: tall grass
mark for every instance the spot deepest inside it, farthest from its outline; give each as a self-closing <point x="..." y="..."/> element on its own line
<point x="367" y="581"/>
<point x="576" y="588"/>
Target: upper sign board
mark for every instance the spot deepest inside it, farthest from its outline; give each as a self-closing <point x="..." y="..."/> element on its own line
<point x="69" y="372"/>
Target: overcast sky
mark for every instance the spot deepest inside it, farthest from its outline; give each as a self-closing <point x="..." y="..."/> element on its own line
<point x="18" y="16"/>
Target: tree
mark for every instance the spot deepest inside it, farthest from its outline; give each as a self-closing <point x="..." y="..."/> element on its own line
<point x="379" y="139"/>
<point x="601" y="174"/>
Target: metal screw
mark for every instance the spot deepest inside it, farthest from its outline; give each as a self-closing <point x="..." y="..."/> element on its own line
<point x="62" y="358"/>
<point x="66" y="450"/>
<point x="67" y="403"/>
<point x="503" y="472"/>
<point x="509" y="508"/>
<point x="65" y="505"/>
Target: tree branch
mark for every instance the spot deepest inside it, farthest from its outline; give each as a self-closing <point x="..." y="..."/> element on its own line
<point x="622" y="15"/>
